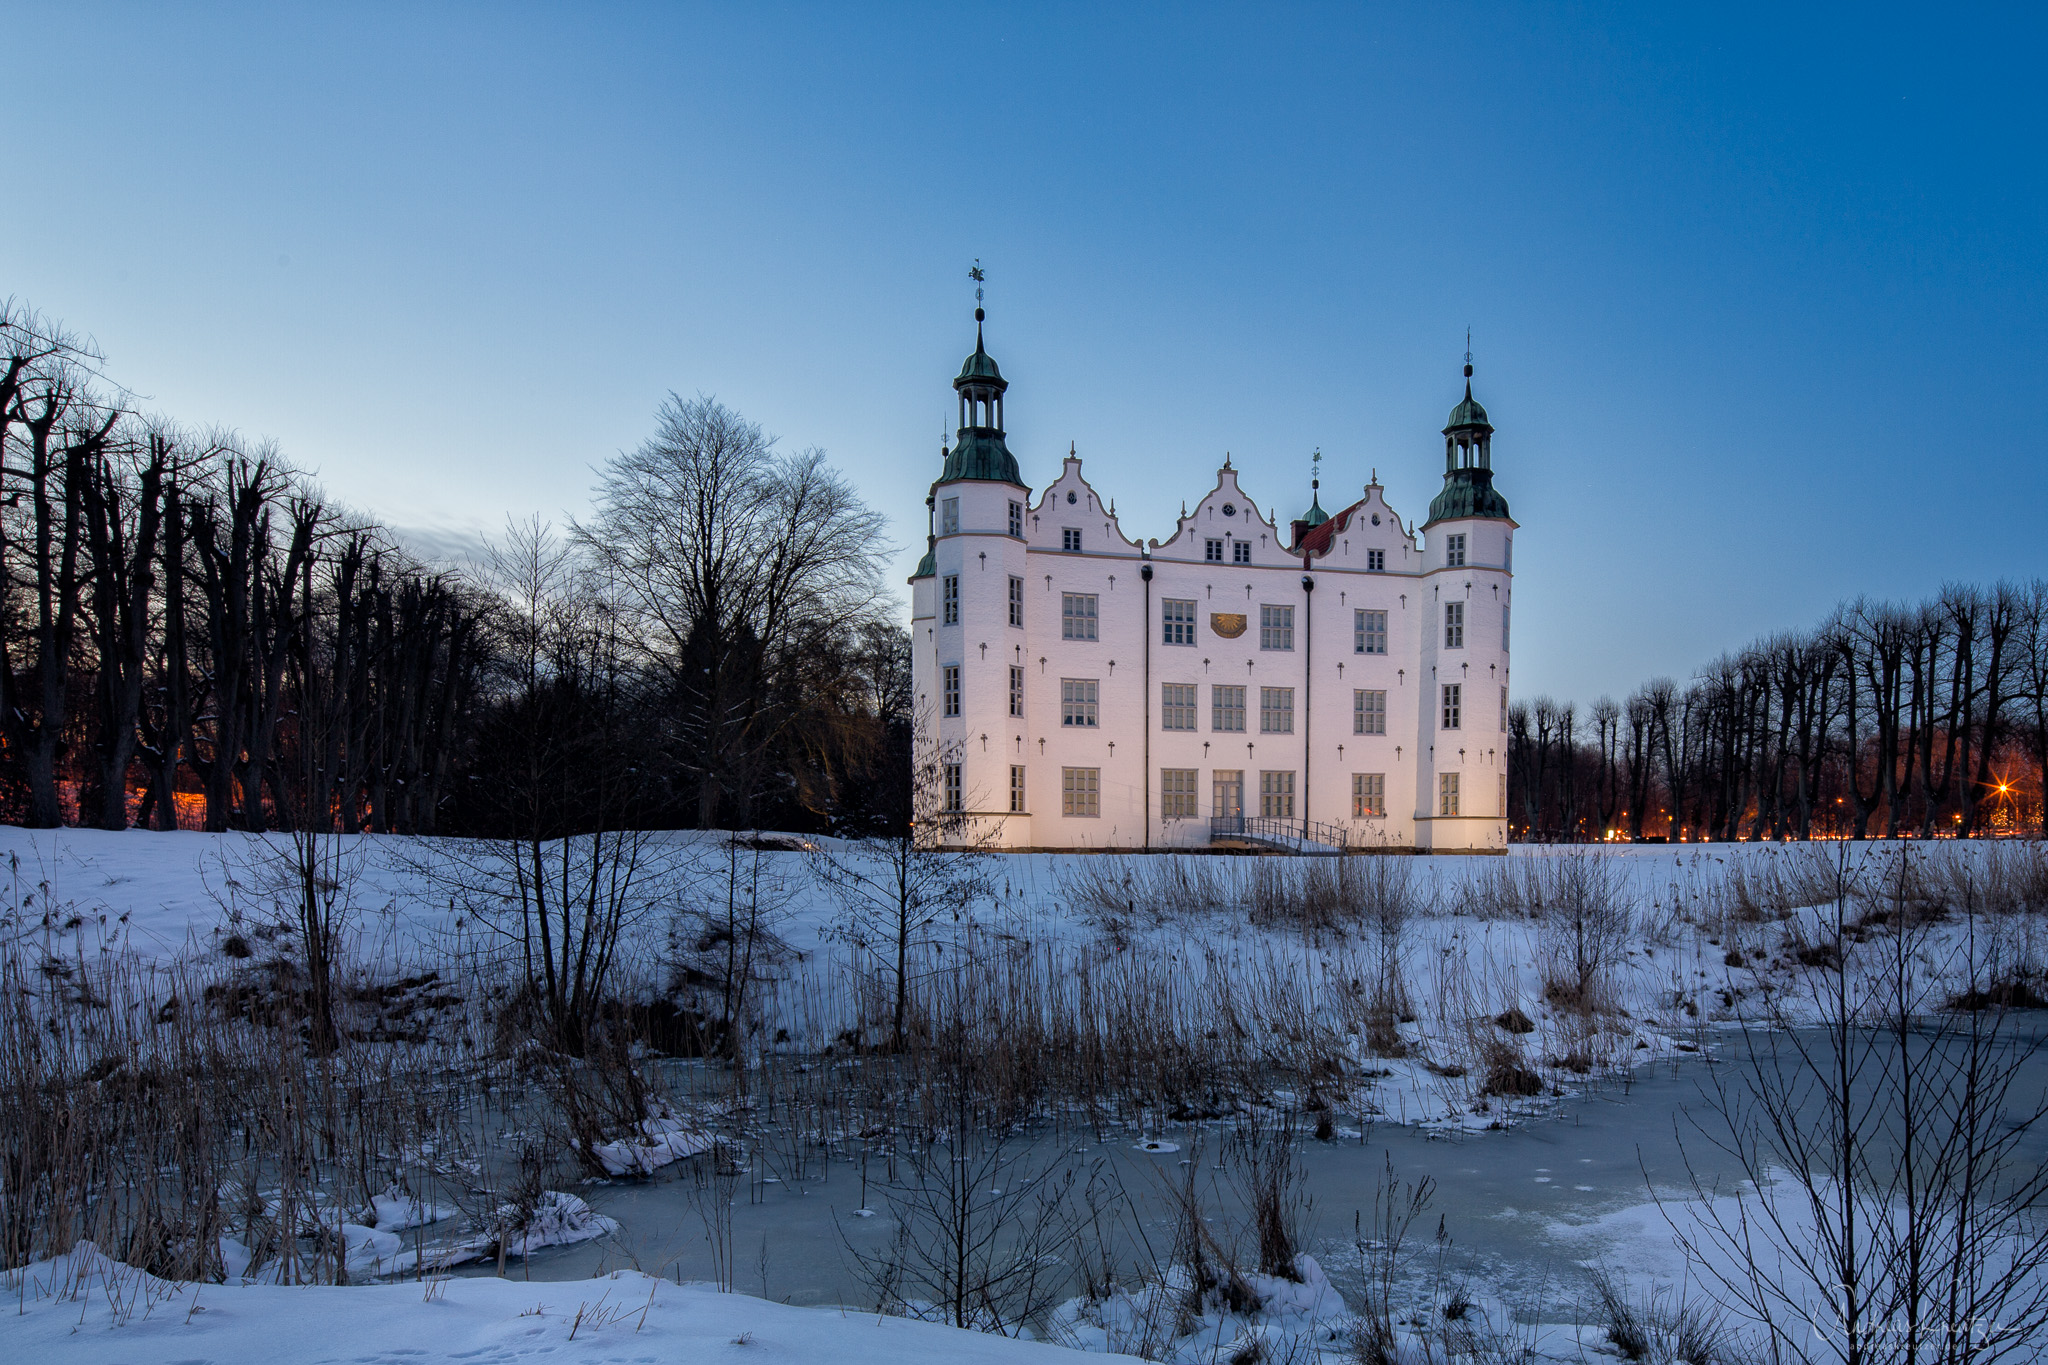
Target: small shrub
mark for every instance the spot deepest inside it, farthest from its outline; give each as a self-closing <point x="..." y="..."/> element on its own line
<point x="1514" y="1021"/>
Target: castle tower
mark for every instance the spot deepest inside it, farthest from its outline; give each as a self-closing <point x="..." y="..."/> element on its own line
<point x="1468" y="558"/>
<point x="967" y="612"/>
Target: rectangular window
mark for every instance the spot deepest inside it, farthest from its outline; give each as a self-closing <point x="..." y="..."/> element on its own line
<point x="952" y="689"/>
<point x="1368" y="713"/>
<point x="1503" y="710"/>
<point x="1240" y="552"/>
<point x="949" y="517"/>
<point x="1017" y="519"/>
<point x="1447" y="794"/>
<point x="1375" y="561"/>
<point x="1503" y="630"/>
<point x="1226" y="707"/>
<point x="1226" y="786"/>
<point x="1017" y="780"/>
<point x="1454" y="550"/>
<point x="1016" y="601"/>
<point x="1177" y="622"/>
<point x="1368" y="795"/>
<point x="1507" y="554"/>
<point x="954" y="791"/>
<point x="1212" y="551"/>
<point x="1454" y="701"/>
<point x="1176" y="706"/>
<point x="1177" y="793"/>
<point x="1077" y="701"/>
<point x="1081" y="792"/>
<point x="1276" y="627"/>
<point x="1077" y="616"/>
<point x="1070" y="537"/>
<point x="1369" y="632"/>
<point x="1016" y="690"/>
<point x="1276" y="710"/>
<point x="1276" y="795"/>
<point x="949" y="600"/>
<point x="1454" y="625"/>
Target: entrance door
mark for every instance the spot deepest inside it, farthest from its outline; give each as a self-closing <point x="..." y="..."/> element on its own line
<point x="1228" y="787"/>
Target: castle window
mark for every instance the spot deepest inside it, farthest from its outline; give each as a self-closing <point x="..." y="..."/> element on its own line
<point x="1454" y="625"/>
<point x="952" y="689"/>
<point x="1454" y="703"/>
<point x="1177" y="793"/>
<point x="1503" y="710"/>
<point x="1375" y="561"/>
<point x="1078" y="698"/>
<point x="1276" y="795"/>
<point x="955" y="788"/>
<point x="1369" y="632"/>
<point x="1017" y="519"/>
<point x="1368" y="712"/>
<point x="949" y="517"/>
<point x="1240" y="552"/>
<point x="1276" y="627"/>
<point x="1016" y="690"/>
<point x="1276" y="710"/>
<point x="1077" y="616"/>
<point x="1176" y="706"/>
<point x="1017" y="788"/>
<point x="1368" y="795"/>
<point x="1016" y="601"/>
<point x="1081" y="792"/>
<point x="1454" y="551"/>
<point x="1212" y="550"/>
<point x="1070" y="537"/>
<point x="1503" y="630"/>
<point x="1177" y="622"/>
<point x="1226" y="707"/>
<point x="949" y="600"/>
<point x="1447" y="794"/>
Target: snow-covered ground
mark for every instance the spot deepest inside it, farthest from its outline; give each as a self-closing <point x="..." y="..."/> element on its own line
<point x="89" y="1310"/>
<point x="1712" y="932"/>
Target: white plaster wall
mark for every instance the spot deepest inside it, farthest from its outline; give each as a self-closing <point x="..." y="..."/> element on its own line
<point x="1323" y="751"/>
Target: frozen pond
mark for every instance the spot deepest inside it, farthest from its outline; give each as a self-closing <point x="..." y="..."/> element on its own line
<point x="1517" y="1203"/>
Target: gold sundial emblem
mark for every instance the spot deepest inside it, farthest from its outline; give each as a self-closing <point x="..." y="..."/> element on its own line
<point x="1228" y="624"/>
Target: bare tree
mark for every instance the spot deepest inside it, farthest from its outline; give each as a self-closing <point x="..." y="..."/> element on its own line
<point x="731" y="559"/>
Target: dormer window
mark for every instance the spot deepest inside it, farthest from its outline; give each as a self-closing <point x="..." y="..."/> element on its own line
<point x="1070" y="536"/>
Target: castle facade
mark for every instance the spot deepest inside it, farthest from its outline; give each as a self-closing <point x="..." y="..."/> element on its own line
<point x="1337" y="682"/>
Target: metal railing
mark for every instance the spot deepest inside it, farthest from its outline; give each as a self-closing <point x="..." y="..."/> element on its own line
<point x="1281" y="831"/>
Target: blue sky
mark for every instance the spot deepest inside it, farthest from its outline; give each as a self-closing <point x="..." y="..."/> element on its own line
<point x="1756" y="293"/>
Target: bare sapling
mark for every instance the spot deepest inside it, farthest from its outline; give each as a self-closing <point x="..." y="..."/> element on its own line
<point x="930" y="864"/>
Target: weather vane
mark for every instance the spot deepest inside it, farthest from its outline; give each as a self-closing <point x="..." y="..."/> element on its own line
<point x="974" y="273"/>
<point x="1468" y="345"/>
<point x="1315" y="467"/>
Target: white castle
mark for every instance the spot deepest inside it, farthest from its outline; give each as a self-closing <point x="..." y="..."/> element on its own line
<point x="1342" y="684"/>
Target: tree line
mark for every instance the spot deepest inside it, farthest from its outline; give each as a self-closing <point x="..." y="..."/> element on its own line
<point x="1887" y="720"/>
<point x="192" y="634"/>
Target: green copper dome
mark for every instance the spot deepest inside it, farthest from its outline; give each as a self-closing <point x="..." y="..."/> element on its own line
<point x="1468" y="413"/>
<point x="1467" y="493"/>
<point x="980" y="365"/>
<point x="979" y="453"/>
<point x="1316" y="516"/>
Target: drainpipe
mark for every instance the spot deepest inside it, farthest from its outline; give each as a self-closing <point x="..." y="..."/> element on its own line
<point x="1146" y="671"/>
<point x="1308" y="690"/>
